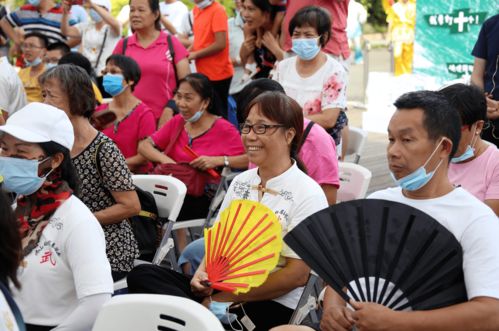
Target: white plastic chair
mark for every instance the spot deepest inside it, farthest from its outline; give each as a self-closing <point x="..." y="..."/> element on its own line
<point x="354" y="181"/>
<point x="149" y="312"/>
<point x="169" y="194"/>
<point x="356" y="140"/>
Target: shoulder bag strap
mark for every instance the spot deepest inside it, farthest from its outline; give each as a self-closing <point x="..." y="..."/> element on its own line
<point x="172" y="54"/>
<point x="175" y="137"/>
<point x="97" y="159"/>
<point x="13" y="307"/>
<point x="102" y="48"/>
<point x="123" y="47"/>
<point x="307" y="131"/>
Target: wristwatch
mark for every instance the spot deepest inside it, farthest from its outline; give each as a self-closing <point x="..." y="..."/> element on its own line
<point x="226" y="161"/>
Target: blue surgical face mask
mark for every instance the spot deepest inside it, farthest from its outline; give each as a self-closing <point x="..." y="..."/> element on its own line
<point x="20" y="175"/>
<point x="469" y="152"/>
<point x="221" y="311"/>
<point x="419" y="178"/>
<point x="194" y="118"/>
<point x="33" y="63"/>
<point x="113" y="84"/>
<point x="50" y="65"/>
<point x="306" y="48"/>
<point x="95" y="16"/>
<point x="35" y="3"/>
<point x="203" y="4"/>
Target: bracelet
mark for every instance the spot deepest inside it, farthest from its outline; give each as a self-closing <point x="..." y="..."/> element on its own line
<point x="226" y="161"/>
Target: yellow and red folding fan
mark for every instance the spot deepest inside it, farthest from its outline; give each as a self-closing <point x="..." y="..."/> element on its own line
<point x="242" y="247"/>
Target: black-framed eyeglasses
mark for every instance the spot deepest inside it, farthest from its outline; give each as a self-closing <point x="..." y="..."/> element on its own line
<point x="258" y="128"/>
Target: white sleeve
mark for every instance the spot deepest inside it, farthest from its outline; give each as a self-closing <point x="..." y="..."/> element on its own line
<point x="86" y="256"/>
<point x="4" y="94"/>
<point x="83" y="317"/>
<point x="480" y="258"/>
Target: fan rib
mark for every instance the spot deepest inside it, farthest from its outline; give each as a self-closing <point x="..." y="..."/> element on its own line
<point x="380" y="251"/>
<point x="228" y="287"/>
<point x="349" y="260"/>
<point x="396" y="258"/>
<point x="248" y="264"/>
<point x="404" y="276"/>
<point x="427" y="275"/>
<point x="243" y="224"/>
<point x="243" y="243"/>
<point x="226" y="238"/>
<point x="269" y="240"/>
<point x="318" y="267"/>
<point x="363" y="248"/>
<point x="208" y="253"/>
<point x="244" y="274"/>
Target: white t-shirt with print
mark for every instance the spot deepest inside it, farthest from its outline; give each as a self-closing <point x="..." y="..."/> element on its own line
<point x="68" y="264"/>
<point x="299" y="197"/>
<point x="174" y="12"/>
<point x="325" y="89"/>
<point x="91" y="43"/>
<point x="474" y="225"/>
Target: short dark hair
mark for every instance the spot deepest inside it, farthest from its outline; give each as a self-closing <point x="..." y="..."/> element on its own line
<point x="10" y="243"/>
<point x="78" y="60"/>
<point x="128" y="66"/>
<point x="203" y="86"/>
<point x="76" y="84"/>
<point x="43" y="39"/>
<point x="468" y="100"/>
<point x="59" y="46"/>
<point x="251" y="91"/>
<point x="439" y="120"/>
<point x="264" y="6"/>
<point x="315" y="17"/>
<point x="67" y="169"/>
<point x="154" y="6"/>
<point x="284" y="110"/>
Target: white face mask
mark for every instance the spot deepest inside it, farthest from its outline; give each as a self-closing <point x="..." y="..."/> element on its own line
<point x="203" y="4"/>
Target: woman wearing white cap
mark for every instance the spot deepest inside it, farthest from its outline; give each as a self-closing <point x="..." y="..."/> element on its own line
<point x="99" y="36"/>
<point x="64" y="279"/>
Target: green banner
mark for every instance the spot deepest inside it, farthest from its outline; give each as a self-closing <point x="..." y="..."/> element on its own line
<point x="446" y="32"/>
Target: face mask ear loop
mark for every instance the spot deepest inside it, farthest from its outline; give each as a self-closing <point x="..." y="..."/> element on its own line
<point x="474" y="139"/>
<point x="432" y="153"/>
<point x="51" y="170"/>
<point x="236" y="320"/>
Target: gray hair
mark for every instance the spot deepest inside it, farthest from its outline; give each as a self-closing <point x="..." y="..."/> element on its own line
<point x="76" y="85"/>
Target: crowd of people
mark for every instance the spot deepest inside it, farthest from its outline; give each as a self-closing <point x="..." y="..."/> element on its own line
<point x="89" y="99"/>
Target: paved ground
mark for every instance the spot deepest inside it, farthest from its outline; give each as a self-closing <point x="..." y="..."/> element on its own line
<point x="374" y="156"/>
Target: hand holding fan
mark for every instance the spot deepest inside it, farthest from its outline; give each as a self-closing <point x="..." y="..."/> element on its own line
<point x="242" y="247"/>
<point x="384" y="252"/>
<point x="195" y="155"/>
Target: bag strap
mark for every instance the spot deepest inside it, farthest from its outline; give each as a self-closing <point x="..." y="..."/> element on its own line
<point x="123" y="47"/>
<point x="101" y="48"/>
<point x="172" y="141"/>
<point x="13" y="307"/>
<point x="172" y="54"/>
<point x="307" y="130"/>
<point x="97" y="160"/>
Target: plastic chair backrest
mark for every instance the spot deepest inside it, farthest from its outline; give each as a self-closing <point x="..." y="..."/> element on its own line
<point x="356" y="140"/>
<point x="168" y="192"/>
<point x="133" y="312"/>
<point x="354" y="181"/>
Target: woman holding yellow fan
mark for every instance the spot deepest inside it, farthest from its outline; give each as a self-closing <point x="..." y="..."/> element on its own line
<point x="271" y="135"/>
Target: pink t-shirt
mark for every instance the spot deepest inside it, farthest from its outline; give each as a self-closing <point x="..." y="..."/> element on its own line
<point x="127" y="133"/>
<point x="479" y="176"/>
<point x="338" y="44"/>
<point x="318" y="154"/>
<point x="157" y="81"/>
<point x="221" y="139"/>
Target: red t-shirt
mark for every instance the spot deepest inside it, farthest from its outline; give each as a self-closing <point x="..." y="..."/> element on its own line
<point x="127" y="133"/>
<point x="338" y="44"/>
<point x="206" y="22"/>
<point x="157" y="80"/>
<point x="221" y="139"/>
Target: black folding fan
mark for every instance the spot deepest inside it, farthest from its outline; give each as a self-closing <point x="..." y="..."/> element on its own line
<point x="384" y="252"/>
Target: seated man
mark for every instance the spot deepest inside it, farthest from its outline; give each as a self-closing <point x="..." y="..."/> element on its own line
<point x="423" y="136"/>
<point x="34" y="48"/>
<point x="475" y="166"/>
<point x="55" y="52"/>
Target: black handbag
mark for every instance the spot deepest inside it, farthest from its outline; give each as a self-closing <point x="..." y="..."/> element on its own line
<point x="147" y="224"/>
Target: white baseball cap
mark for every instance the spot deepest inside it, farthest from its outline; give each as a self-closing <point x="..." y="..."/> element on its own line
<point x="103" y="3"/>
<point x="40" y="123"/>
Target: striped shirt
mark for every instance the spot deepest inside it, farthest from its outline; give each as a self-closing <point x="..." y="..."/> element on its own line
<point x="31" y="20"/>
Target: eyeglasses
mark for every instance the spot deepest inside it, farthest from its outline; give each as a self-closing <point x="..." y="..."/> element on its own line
<point x="29" y="46"/>
<point x="258" y="128"/>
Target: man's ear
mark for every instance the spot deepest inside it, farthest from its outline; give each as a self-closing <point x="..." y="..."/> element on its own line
<point x="479" y="127"/>
<point x="446" y="148"/>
